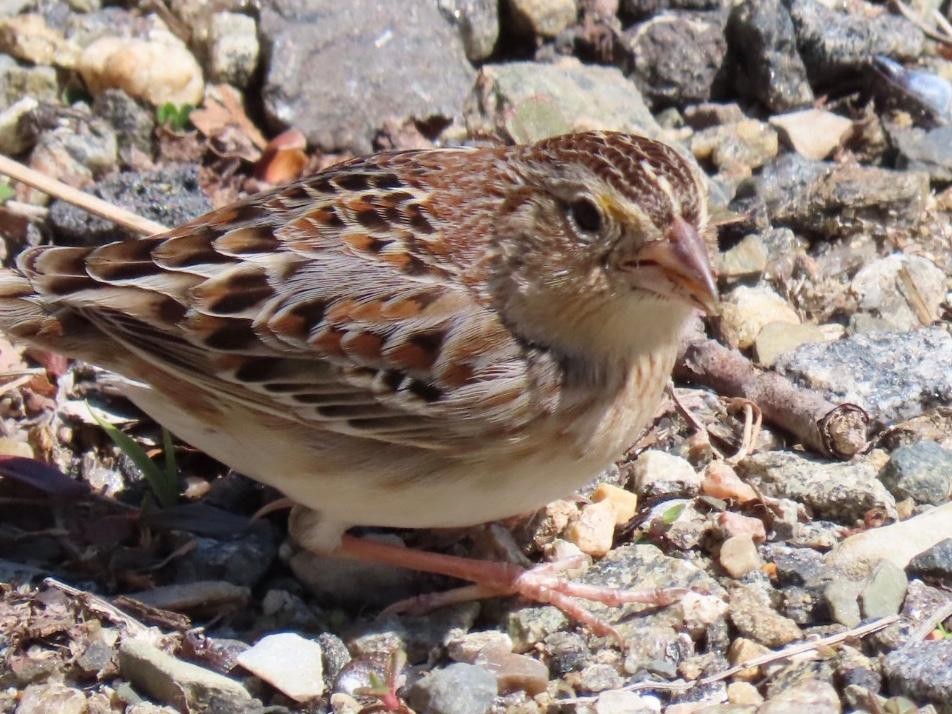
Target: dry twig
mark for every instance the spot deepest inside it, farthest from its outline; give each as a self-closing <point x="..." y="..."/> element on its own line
<point x="96" y="206"/>
<point x="930" y="623"/>
<point x="101" y="607"/>
<point x="837" y="430"/>
<point x="943" y="34"/>
<point x="766" y="658"/>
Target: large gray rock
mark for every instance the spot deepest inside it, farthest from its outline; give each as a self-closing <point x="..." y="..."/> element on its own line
<point x="761" y="32"/>
<point x="338" y="70"/>
<point x="170" y="196"/>
<point x="922" y="671"/>
<point x="893" y="375"/>
<point x="843" y="492"/>
<point x="836" y="199"/>
<point x="526" y="101"/>
<point x="681" y="77"/>
<point x="833" y="43"/>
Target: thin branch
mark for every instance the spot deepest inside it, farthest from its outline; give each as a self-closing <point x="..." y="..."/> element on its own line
<point x="96" y="206"/>
<point x="837" y="430"/>
<point x="930" y="623"/>
<point x="914" y="18"/>
<point x="101" y="607"/>
<point x="767" y="658"/>
<point x="809" y="646"/>
<point x="943" y="24"/>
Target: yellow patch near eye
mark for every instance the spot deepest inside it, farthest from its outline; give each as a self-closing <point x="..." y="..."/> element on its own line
<point x="624" y="213"/>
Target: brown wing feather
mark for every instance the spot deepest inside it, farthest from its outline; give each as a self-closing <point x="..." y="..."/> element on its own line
<point x="330" y="302"/>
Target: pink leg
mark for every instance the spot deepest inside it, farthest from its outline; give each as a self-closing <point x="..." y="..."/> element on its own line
<point x="496" y="578"/>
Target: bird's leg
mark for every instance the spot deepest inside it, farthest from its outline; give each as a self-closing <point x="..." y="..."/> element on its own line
<point x="540" y="584"/>
<point x="493" y="579"/>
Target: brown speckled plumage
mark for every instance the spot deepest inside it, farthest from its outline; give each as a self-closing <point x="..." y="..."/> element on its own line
<point x="421" y="338"/>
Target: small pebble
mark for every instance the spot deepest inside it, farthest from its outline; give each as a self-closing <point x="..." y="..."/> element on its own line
<point x="743" y="694"/>
<point x="921" y="471"/>
<point x="594" y="530"/>
<point x="457" y="689"/>
<point x="467" y="648"/>
<point x="514" y="672"/>
<point x="657" y="473"/>
<point x="744" y="650"/>
<point x="721" y="481"/>
<point x="748" y="257"/>
<point x="753" y="616"/>
<point x="842" y="600"/>
<point x="884" y="591"/>
<point x="622" y="702"/>
<point x="624" y="502"/>
<point x="777" y="338"/>
<point x="739" y="556"/>
<point x="545" y="18"/>
<point x="737" y="524"/>
<point x="933" y="564"/>
<point x="155" y="71"/>
<point x="813" y="133"/>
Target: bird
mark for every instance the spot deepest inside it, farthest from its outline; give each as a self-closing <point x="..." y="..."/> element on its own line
<point x="415" y="339"/>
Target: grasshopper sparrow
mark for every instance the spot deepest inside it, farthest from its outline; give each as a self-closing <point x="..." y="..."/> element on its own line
<point x="416" y="339"/>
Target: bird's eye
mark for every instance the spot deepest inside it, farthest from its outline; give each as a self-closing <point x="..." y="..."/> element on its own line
<point x="586" y="215"/>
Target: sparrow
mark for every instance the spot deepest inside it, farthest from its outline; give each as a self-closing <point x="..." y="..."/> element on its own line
<point x="414" y="339"/>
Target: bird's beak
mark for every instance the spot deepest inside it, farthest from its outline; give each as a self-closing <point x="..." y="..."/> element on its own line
<point x="682" y="261"/>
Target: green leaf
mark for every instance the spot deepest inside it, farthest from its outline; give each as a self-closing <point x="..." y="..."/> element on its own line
<point x="173" y="117"/>
<point x="164" y="487"/>
<point x="6" y="192"/>
<point x="164" y="113"/>
<point x="672" y="514"/>
<point x="168" y="451"/>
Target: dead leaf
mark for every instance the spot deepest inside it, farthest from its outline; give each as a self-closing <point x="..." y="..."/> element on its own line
<point x="43" y="477"/>
<point x="223" y="120"/>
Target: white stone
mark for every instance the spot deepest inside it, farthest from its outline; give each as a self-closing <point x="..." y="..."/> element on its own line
<point x="905" y="291"/>
<point x="813" y="133"/>
<point x="618" y="701"/>
<point x="746" y="310"/>
<point x="659" y="473"/>
<point x="898" y="542"/>
<point x="288" y="662"/>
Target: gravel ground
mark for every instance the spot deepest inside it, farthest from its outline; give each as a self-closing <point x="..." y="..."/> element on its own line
<point x="816" y="545"/>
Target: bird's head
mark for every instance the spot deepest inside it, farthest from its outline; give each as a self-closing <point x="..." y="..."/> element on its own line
<point x="600" y="244"/>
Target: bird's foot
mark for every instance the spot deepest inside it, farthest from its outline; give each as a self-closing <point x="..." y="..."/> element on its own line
<point x="493" y="579"/>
